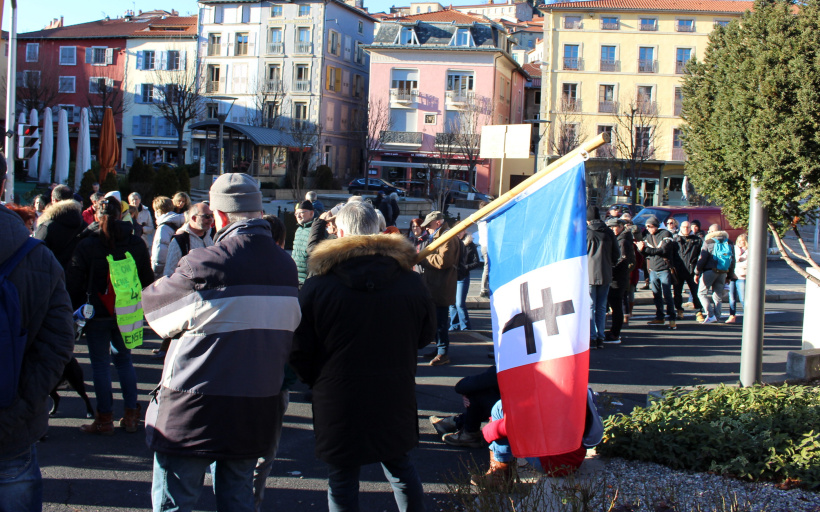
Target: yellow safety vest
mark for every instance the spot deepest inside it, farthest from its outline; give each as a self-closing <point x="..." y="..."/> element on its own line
<point x="128" y="299"/>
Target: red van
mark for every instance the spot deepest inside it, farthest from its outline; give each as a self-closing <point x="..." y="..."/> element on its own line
<point x="707" y="215"/>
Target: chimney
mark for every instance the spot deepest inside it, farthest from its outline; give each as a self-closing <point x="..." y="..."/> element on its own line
<point x="140" y="12"/>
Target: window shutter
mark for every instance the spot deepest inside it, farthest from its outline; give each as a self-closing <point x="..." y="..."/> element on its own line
<point x="109" y="56"/>
<point x="140" y="60"/>
<point x="89" y="55"/>
<point x="135" y="125"/>
<point x="229" y="49"/>
<point x="251" y="43"/>
<point x="328" y="78"/>
<point x="161" y="127"/>
<point x="138" y="94"/>
<point x="183" y="60"/>
<point x="163" y="61"/>
<point x="338" y="85"/>
<point x="330" y="42"/>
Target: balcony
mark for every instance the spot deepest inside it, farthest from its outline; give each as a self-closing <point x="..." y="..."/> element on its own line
<point x="301" y="86"/>
<point x="303" y="48"/>
<point x="646" y="107"/>
<point x="684" y="26"/>
<point x="678" y="155"/>
<point x="649" y="27"/>
<point x="457" y="140"/>
<point x="610" y="65"/>
<point x="678" y="107"/>
<point x="401" y="138"/>
<point x="680" y="66"/>
<point x="570" y="105"/>
<point x="273" y="86"/>
<point x="276" y="48"/>
<point x="647" y="66"/>
<point x="573" y="63"/>
<point x="212" y="87"/>
<point x="608" y="107"/>
<point x="573" y="24"/>
<point x="606" y="151"/>
<point x="645" y="152"/>
<point x="459" y="97"/>
<point x="404" y="95"/>
<point x="611" y="26"/>
<point x="214" y="49"/>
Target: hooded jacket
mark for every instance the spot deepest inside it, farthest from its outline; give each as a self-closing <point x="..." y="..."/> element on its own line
<point x="167" y="225"/>
<point x="59" y="226"/>
<point x="689" y="250"/>
<point x="626" y="260"/>
<point x="46" y="315"/>
<point x="365" y="314"/>
<point x="706" y="261"/>
<point x="602" y="253"/>
<point x="659" y="250"/>
<point x="441" y="269"/>
<point x="235" y="305"/>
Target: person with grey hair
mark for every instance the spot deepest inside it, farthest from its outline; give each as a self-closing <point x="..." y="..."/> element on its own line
<point x="221" y="390"/>
<point x="363" y="286"/>
<point x="318" y="207"/>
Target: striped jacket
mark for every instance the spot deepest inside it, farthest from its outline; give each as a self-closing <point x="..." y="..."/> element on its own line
<point x="236" y="305"/>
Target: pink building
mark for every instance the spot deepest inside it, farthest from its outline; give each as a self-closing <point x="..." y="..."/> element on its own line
<point x="436" y="79"/>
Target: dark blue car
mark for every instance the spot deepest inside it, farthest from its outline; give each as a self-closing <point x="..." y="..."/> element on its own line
<point x="374" y="185"/>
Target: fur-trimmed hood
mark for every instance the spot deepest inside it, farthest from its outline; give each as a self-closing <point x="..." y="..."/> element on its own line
<point x="62" y="208"/>
<point x="717" y="234"/>
<point x="330" y="253"/>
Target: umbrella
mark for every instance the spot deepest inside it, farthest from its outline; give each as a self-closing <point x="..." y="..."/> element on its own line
<point x="46" y="148"/>
<point x="109" y="149"/>
<point x="32" y="162"/>
<point x="62" y="156"/>
<point x="22" y="118"/>
<point x="83" y="162"/>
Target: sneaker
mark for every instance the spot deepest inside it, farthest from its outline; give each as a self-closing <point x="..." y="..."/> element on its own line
<point x="709" y="320"/>
<point x="699" y="317"/>
<point x="614" y="340"/>
<point x="680" y="314"/>
<point x="732" y="319"/>
<point x="672" y="325"/>
<point x="444" y="425"/>
<point x="656" y="321"/>
<point x="462" y="438"/>
<point x="599" y="343"/>
<point x="440" y="359"/>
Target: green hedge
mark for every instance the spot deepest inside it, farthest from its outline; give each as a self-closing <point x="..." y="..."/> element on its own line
<point x="760" y="432"/>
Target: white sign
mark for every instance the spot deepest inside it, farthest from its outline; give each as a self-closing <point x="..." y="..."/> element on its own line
<point x="506" y="141"/>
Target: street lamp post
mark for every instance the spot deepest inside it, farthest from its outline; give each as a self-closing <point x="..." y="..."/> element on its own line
<point x="11" y="101"/>
<point x="214" y="100"/>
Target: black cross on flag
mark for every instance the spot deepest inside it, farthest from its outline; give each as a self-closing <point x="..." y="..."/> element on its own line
<point x="548" y="312"/>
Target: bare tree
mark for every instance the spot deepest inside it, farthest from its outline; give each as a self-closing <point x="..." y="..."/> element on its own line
<point x="103" y="92"/>
<point x="369" y="126"/>
<point x="306" y="136"/>
<point x="567" y="130"/>
<point x="438" y="168"/>
<point x="465" y="130"/>
<point x="38" y="88"/>
<point x="636" y="136"/>
<point x="178" y="95"/>
<point x="268" y="98"/>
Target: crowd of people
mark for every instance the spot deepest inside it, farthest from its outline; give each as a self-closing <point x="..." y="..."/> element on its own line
<point x="670" y="258"/>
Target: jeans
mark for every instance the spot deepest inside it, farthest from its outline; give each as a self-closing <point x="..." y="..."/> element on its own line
<point x="105" y="345"/>
<point x="689" y="280"/>
<point x="737" y="292"/>
<point x="597" y="318"/>
<point x="21" y="484"/>
<point x="265" y="463"/>
<point x="459" y="319"/>
<point x="442" y="329"/>
<point x="178" y="482"/>
<point x="343" y="486"/>
<point x="500" y="447"/>
<point x="710" y="291"/>
<point x="615" y="299"/>
<point x="485" y="274"/>
<point x="661" y="284"/>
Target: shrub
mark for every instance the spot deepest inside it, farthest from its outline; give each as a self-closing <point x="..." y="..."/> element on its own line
<point x="140" y="173"/>
<point x="166" y="182"/>
<point x="184" y="179"/>
<point x="90" y="177"/>
<point x="755" y="433"/>
<point x="324" y="178"/>
<point x="111" y="183"/>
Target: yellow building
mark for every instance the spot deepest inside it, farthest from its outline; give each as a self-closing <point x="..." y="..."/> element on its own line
<point x="617" y="65"/>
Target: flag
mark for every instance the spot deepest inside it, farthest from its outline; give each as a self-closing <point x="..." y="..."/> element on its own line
<point x="536" y="247"/>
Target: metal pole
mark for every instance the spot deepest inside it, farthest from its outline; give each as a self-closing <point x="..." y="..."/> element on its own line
<point x="11" y="101"/>
<point x="221" y="145"/>
<point x="816" y="231"/>
<point x="754" y="307"/>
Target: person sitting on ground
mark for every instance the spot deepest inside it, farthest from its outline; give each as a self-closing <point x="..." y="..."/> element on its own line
<point x="167" y="223"/>
<point x="318" y="206"/>
<point x="479" y="393"/>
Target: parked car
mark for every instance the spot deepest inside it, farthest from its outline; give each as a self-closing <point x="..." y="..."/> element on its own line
<point x="707" y="215"/>
<point x="159" y="165"/>
<point x="415" y="188"/>
<point x="633" y="209"/>
<point x="375" y="185"/>
<point x="458" y="189"/>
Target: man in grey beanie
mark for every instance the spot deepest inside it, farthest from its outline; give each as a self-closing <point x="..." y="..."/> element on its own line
<point x="219" y="401"/>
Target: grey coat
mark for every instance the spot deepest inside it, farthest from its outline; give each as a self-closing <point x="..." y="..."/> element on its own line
<point x="47" y="315"/>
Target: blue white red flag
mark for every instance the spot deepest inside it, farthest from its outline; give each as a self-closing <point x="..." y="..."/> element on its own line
<point x="536" y="247"/>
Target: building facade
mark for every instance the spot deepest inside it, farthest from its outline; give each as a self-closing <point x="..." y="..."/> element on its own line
<point x="437" y="79"/>
<point x="617" y="66"/>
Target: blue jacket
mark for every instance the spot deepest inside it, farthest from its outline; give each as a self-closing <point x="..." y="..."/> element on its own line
<point x="236" y="306"/>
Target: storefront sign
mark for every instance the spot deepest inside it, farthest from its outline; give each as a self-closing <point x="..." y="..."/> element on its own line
<point x="158" y="142"/>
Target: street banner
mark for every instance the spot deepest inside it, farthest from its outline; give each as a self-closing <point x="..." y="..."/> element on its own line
<point x="536" y="248"/>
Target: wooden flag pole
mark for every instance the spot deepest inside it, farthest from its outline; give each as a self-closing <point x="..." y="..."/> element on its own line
<point x="587" y="147"/>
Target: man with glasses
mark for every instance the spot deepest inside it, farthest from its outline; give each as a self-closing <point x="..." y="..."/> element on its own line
<point x="672" y="225"/>
<point x="658" y="247"/>
<point x="195" y="233"/>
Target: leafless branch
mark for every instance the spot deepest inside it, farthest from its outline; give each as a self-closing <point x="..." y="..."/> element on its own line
<point x="789" y="261"/>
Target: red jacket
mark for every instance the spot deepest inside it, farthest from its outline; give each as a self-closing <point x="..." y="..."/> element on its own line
<point x="88" y="215"/>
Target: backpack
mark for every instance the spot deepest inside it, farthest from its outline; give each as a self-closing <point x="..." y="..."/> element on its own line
<point x="723" y="255"/>
<point x="13" y="335"/>
<point x="184" y="242"/>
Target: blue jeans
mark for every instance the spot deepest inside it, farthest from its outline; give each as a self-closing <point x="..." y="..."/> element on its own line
<point x="104" y="345"/>
<point x="459" y="319"/>
<point x="343" y="486"/>
<point x="21" y="485"/>
<point x="178" y="482"/>
<point x="442" y="329"/>
<point x="501" y="447"/>
<point x="597" y="317"/>
<point x="661" y="284"/>
<point x="265" y="463"/>
<point x="737" y="292"/>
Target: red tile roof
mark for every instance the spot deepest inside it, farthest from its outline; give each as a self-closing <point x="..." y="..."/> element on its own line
<point x="446" y="16"/>
<point x="150" y="27"/>
<point x="533" y="69"/>
<point x="656" y="5"/>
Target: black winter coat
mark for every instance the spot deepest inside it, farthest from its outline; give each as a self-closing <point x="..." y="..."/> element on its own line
<point x="626" y="260"/>
<point x="602" y="251"/>
<point x="365" y="314"/>
<point x="469" y="260"/>
<point x="689" y="250"/>
<point x="659" y="250"/>
<point x="89" y="267"/>
<point x="59" y="227"/>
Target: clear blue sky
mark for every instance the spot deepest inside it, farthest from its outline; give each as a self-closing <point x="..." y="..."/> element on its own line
<point x="36" y="14"/>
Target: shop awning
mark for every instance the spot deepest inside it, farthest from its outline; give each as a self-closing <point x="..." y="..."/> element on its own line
<point x="258" y="135"/>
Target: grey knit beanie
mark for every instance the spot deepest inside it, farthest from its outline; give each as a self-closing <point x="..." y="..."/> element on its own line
<point x="236" y="192"/>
